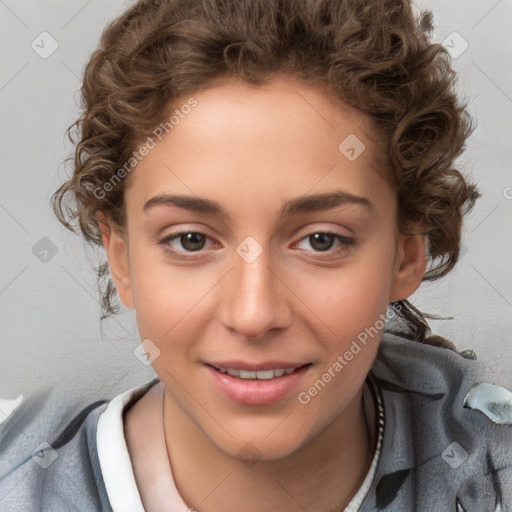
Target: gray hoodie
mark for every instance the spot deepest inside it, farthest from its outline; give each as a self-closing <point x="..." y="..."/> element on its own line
<point x="447" y="443"/>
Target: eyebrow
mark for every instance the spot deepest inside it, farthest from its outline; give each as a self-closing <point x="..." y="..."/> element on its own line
<point x="309" y="203"/>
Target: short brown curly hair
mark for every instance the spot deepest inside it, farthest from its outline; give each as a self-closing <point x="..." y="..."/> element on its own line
<point x="376" y="56"/>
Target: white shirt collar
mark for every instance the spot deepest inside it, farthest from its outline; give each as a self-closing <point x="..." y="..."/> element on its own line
<point x="116" y="466"/>
<point x="115" y="463"/>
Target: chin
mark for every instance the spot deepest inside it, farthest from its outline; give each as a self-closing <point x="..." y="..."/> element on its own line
<point x="251" y="453"/>
<point x="256" y="446"/>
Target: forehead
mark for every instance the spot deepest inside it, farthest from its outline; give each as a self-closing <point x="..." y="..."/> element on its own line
<point x="283" y="138"/>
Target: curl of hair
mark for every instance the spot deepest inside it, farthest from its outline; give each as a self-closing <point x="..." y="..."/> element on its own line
<point x="376" y="56"/>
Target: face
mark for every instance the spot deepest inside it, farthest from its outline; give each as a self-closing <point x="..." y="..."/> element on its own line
<point x="258" y="241"/>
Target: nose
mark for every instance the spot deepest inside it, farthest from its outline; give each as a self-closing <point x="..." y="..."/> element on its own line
<point x="254" y="298"/>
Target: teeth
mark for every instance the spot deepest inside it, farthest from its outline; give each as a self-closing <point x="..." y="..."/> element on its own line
<point x="245" y="374"/>
<point x="265" y="374"/>
<point x="261" y="375"/>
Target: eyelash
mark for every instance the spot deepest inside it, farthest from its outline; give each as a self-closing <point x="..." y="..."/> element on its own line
<point x="346" y="244"/>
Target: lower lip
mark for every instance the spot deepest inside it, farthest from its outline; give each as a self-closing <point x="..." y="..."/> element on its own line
<point x="255" y="391"/>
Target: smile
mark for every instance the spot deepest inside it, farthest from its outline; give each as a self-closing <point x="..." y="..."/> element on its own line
<point x="260" y="375"/>
<point x="253" y="384"/>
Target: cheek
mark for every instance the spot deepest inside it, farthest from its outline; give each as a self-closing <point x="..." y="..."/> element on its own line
<point x="353" y="307"/>
<point x="351" y="298"/>
<point x="168" y="298"/>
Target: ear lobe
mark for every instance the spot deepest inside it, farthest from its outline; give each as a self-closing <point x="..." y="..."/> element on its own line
<point x="411" y="264"/>
<point x="116" y="247"/>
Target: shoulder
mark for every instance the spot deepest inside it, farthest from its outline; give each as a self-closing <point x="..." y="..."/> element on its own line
<point x="448" y="428"/>
<point x="48" y="456"/>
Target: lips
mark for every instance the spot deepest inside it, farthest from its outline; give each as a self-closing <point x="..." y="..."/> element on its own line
<point x="256" y="384"/>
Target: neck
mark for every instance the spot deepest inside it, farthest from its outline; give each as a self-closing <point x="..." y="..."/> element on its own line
<point x="323" y="475"/>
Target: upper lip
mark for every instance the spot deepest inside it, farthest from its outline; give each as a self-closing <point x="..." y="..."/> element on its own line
<point x="255" y="367"/>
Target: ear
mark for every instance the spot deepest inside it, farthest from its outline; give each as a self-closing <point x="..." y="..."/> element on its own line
<point x="411" y="264"/>
<point x="116" y="247"/>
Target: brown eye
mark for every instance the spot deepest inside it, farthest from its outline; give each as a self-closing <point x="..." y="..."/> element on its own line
<point x="324" y="242"/>
<point x="321" y="241"/>
<point x="182" y="245"/>
<point x="192" y="241"/>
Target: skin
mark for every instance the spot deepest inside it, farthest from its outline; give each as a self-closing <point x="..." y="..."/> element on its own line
<point x="251" y="149"/>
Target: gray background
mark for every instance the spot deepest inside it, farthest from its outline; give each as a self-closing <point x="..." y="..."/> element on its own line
<point x="51" y="332"/>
